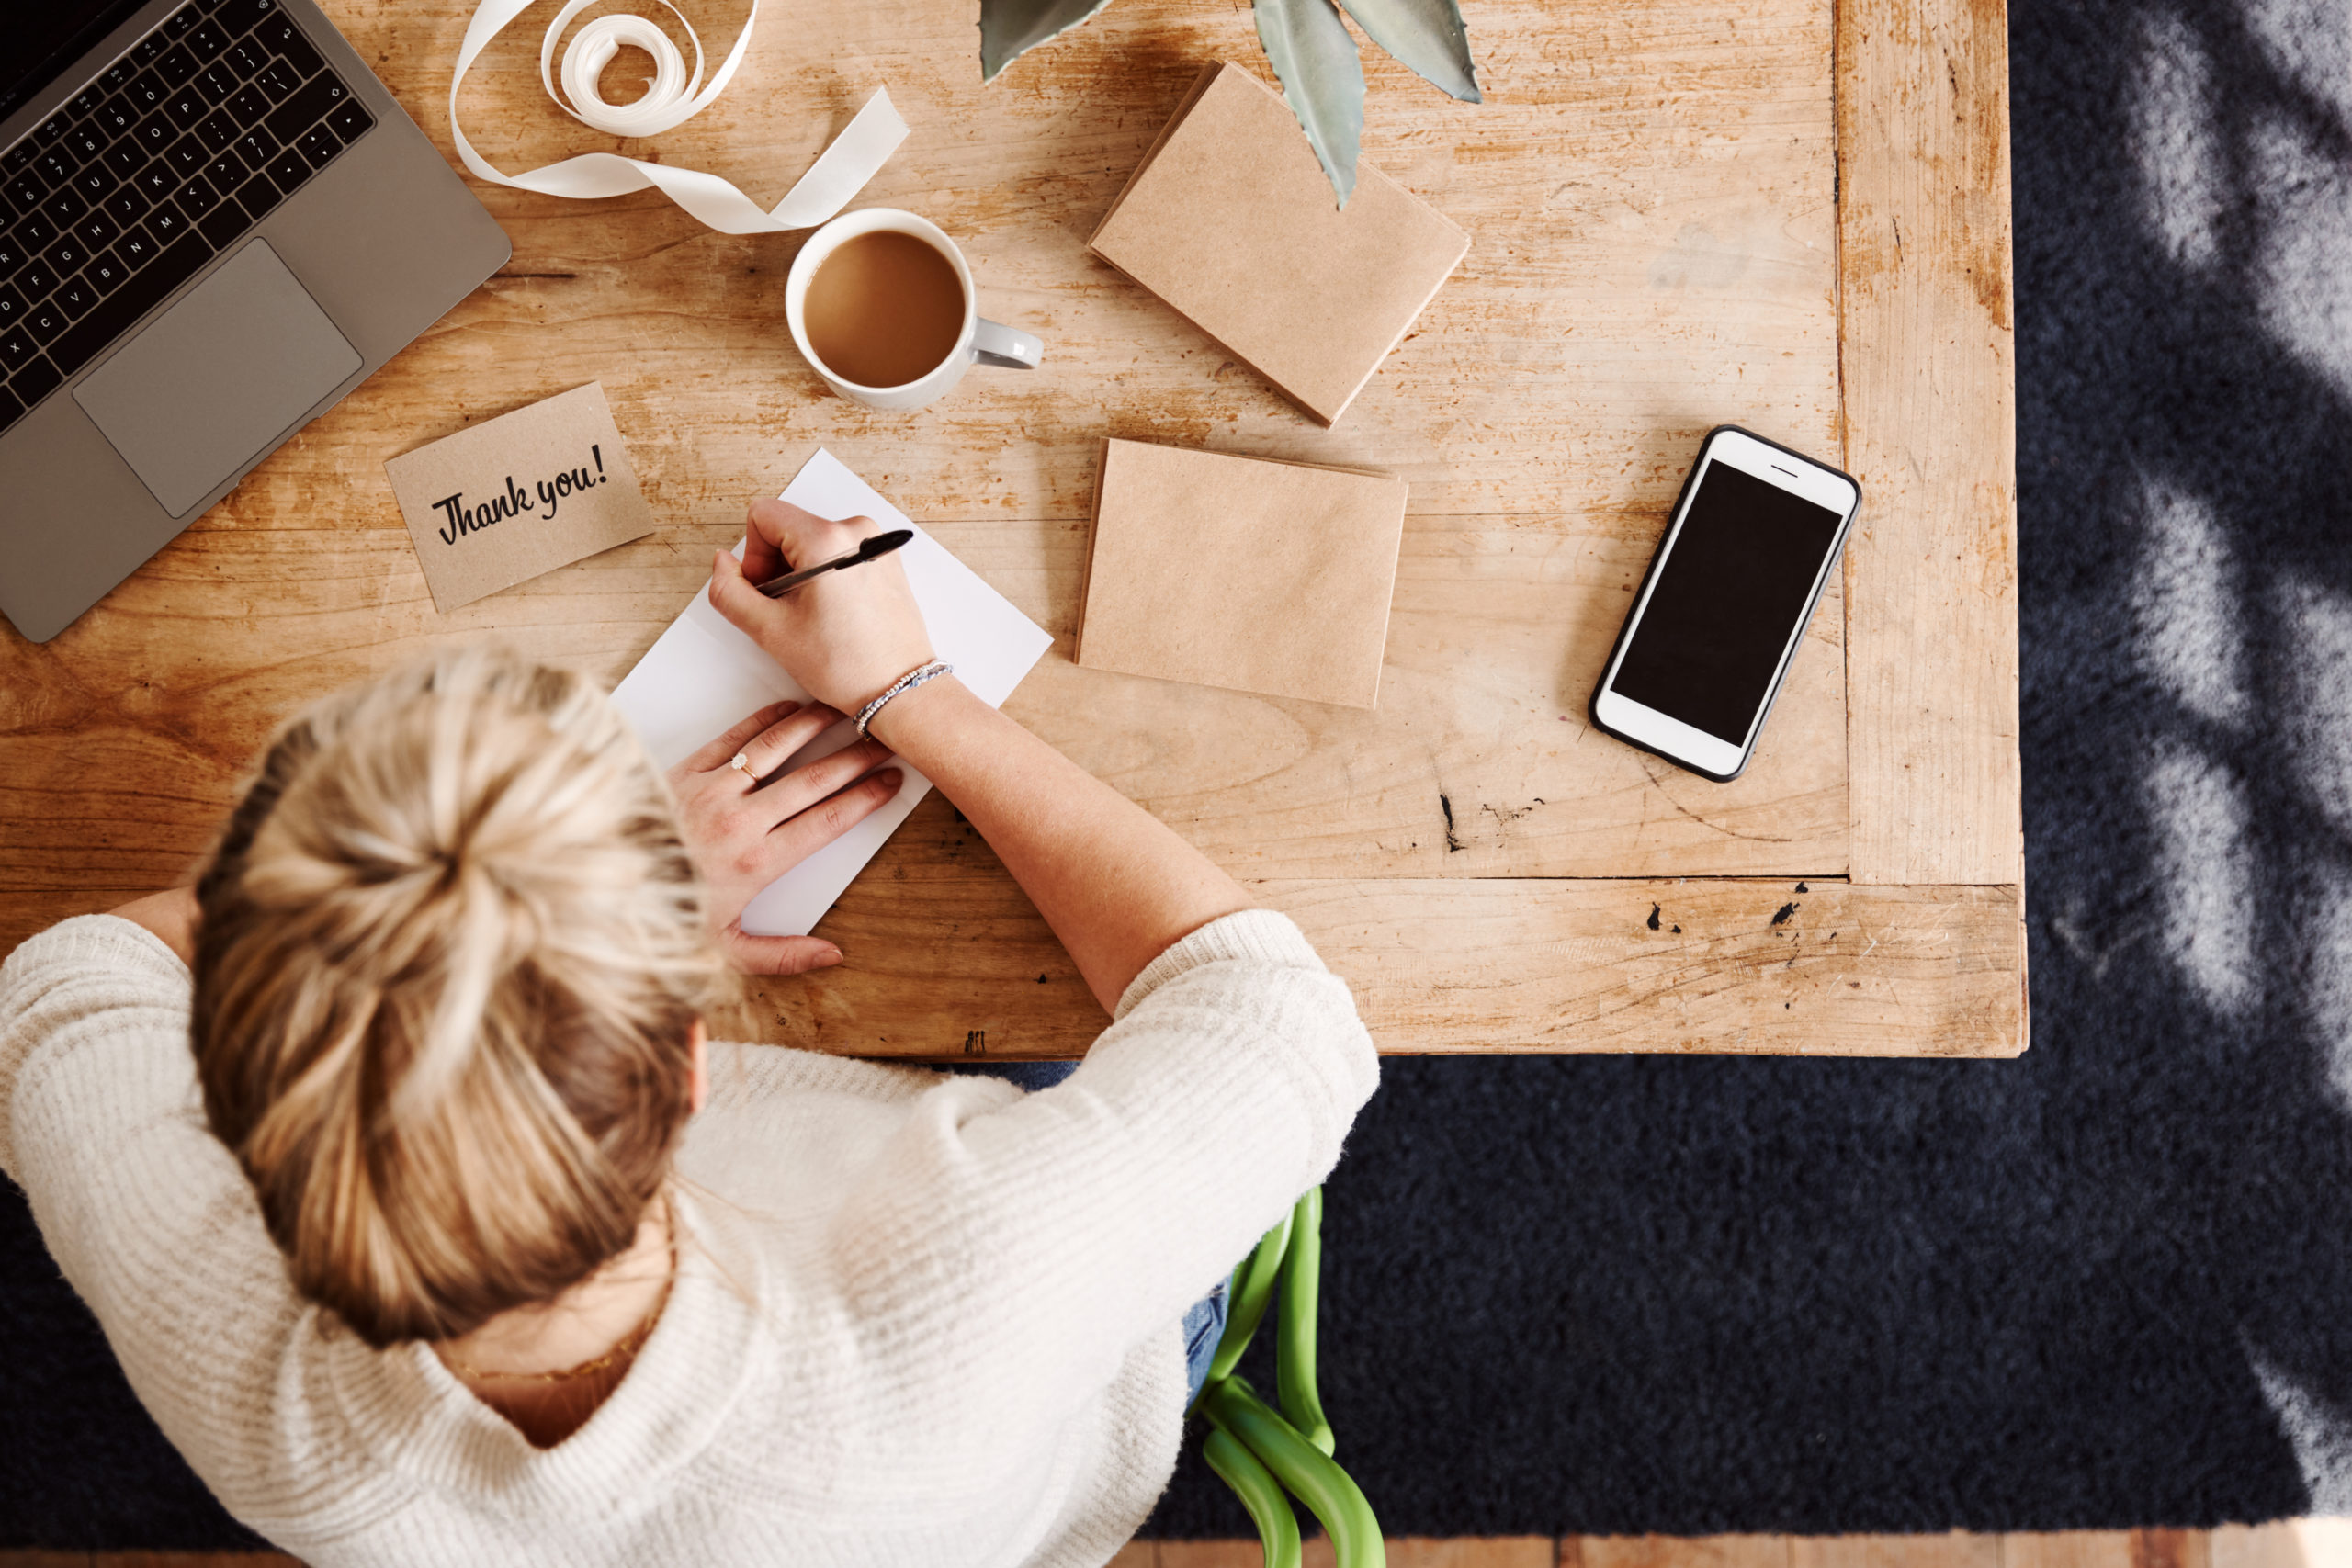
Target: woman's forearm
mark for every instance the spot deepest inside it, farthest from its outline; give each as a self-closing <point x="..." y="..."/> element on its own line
<point x="1116" y="885"/>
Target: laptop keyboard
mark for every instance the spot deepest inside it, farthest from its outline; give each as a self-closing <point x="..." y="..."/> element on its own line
<point x="169" y="154"/>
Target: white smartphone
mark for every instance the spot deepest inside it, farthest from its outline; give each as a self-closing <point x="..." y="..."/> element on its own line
<point x="1708" y="641"/>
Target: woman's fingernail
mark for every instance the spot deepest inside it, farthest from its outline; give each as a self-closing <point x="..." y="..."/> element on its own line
<point x="891" y="778"/>
<point x="832" y="956"/>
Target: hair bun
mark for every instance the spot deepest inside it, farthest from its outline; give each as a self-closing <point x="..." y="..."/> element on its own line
<point x="450" y="953"/>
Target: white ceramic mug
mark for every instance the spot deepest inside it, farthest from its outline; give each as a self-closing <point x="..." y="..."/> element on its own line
<point x="980" y="343"/>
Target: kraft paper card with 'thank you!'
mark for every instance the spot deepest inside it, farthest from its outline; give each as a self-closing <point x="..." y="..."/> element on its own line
<point x="1230" y="220"/>
<point x="529" y="491"/>
<point x="1237" y="571"/>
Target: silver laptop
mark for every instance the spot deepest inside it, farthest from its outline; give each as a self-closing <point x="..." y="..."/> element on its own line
<point x="214" y="223"/>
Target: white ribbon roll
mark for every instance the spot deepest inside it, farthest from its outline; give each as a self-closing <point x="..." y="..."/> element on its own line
<point x="675" y="96"/>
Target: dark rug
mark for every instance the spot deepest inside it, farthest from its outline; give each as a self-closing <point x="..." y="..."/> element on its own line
<point x="2101" y="1286"/>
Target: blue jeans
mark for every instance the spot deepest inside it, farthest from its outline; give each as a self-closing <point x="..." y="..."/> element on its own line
<point x="1204" y="1319"/>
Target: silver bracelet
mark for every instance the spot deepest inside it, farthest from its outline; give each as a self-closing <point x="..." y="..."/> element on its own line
<point x="906" y="682"/>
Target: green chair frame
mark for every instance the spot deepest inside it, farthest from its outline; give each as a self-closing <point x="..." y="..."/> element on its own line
<point x="1269" y="1456"/>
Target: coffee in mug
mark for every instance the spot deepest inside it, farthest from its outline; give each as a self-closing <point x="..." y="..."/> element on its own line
<point x="884" y="310"/>
<point x="881" y="303"/>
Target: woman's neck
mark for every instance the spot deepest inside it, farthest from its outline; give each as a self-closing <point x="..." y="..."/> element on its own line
<point x="511" y="1362"/>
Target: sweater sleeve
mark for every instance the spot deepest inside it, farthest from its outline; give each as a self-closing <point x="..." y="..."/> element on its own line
<point x="145" y="1211"/>
<point x="1043" y="1239"/>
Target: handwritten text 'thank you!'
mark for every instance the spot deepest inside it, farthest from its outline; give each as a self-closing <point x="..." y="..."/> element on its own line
<point x="464" y="519"/>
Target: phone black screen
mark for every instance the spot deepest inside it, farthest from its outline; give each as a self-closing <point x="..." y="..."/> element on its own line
<point x="1729" y="596"/>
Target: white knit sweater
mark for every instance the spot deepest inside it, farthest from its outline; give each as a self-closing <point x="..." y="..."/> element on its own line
<point x="918" y="1320"/>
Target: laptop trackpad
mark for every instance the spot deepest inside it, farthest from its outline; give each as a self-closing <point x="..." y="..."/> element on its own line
<point x="219" y="377"/>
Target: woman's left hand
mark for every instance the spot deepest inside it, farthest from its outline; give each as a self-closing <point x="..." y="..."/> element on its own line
<point x="745" y="829"/>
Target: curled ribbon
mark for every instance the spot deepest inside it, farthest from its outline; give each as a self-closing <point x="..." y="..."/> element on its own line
<point x="675" y="96"/>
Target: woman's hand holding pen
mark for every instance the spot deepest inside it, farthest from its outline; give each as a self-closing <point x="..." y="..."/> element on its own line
<point x="846" y="635"/>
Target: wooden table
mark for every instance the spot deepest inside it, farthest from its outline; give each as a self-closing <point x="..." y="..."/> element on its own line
<point x="1785" y="214"/>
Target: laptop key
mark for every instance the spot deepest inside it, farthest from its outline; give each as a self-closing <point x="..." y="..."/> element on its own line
<point x="116" y="314"/>
<point x="184" y="20"/>
<point x="52" y="129"/>
<point x="290" y="169"/>
<point x="45" y="320"/>
<point x="35" y="381"/>
<point x="257" y="196"/>
<point x="86" y="140"/>
<point x="256" y="147"/>
<point x="208" y="40"/>
<point x="126" y="157"/>
<point x="55" y="166"/>
<point x="67" y="255"/>
<point x="318" y="145"/>
<point x="97" y="230"/>
<point x="27" y="192"/>
<point x="223" y="224"/>
<point x="12" y="254"/>
<point x="187" y="156"/>
<point x="217" y="83"/>
<point x="119" y="74"/>
<point x="238" y="15"/>
<point x="94" y="181"/>
<point x="65" y="206"/>
<point x="195" y="198"/>
<point x="176" y="66"/>
<point x="247" y="57"/>
<point x="150" y="49"/>
<point x="134" y="249"/>
<point x="36" y="231"/>
<point x="17" y="346"/>
<point x="185" y="108"/>
<point x="117" y="116"/>
<point x="248" y="105"/>
<point x="219" y="131"/>
<point x="105" y="274"/>
<point x="16" y="159"/>
<point x="155" y="133"/>
<point x="166" y="223"/>
<point x="34" y="278"/>
<point x="351" y="122"/>
<point x="226" y="172"/>
<point x="147" y="93"/>
<point x="280" y="33"/>
<point x="321" y="97"/>
<point x="126" y="204"/>
<point x="11" y="306"/>
<point x="11" y="409"/>
<point x="278" y="83"/>
<point x="156" y="180"/>
<point x="75" y="297"/>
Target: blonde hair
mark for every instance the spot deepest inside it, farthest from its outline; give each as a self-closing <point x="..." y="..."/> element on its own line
<point x="450" y="956"/>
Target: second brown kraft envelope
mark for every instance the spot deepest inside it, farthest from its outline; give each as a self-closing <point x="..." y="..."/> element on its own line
<point x="1261" y="576"/>
<point x="1230" y="220"/>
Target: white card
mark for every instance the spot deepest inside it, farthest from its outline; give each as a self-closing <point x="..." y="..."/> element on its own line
<point x="703" y="677"/>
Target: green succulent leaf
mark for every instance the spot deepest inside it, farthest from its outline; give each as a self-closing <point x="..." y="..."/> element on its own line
<point x="1429" y="36"/>
<point x="1010" y="29"/>
<point x="1315" y="55"/>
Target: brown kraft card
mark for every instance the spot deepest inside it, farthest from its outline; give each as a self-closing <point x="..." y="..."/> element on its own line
<point x="1241" y="573"/>
<point x="523" y="495"/>
<point x="1230" y="220"/>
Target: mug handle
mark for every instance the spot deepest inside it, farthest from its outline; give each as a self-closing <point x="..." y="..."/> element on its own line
<point x="993" y="344"/>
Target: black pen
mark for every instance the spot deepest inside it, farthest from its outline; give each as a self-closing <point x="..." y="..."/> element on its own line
<point x="874" y="549"/>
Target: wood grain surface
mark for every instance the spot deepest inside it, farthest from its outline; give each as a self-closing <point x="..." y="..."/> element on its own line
<point x="1650" y="196"/>
<point x="1931" y="571"/>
